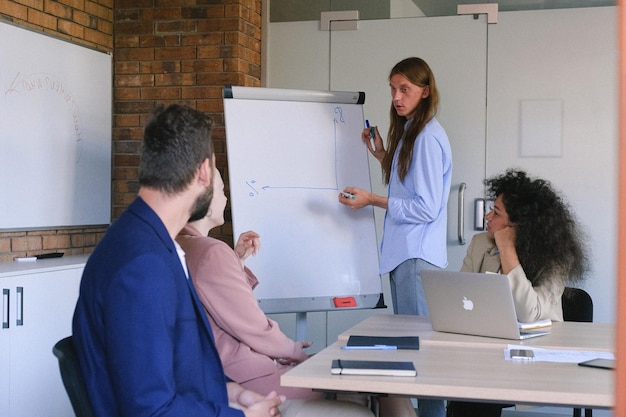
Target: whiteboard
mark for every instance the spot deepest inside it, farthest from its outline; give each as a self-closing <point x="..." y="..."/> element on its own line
<point x="290" y="152"/>
<point x="55" y="132"/>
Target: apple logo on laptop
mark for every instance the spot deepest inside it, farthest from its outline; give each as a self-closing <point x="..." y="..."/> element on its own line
<point x="468" y="304"/>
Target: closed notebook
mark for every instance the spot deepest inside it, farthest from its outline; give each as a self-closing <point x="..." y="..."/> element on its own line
<point x="400" y="342"/>
<point x="386" y="368"/>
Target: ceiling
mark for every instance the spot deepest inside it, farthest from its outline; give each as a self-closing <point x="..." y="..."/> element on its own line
<point x="298" y="10"/>
<point x="448" y="7"/>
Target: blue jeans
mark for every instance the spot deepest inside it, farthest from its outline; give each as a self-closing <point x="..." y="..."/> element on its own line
<point x="407" y="293"/>
<point x="408" y="298"/>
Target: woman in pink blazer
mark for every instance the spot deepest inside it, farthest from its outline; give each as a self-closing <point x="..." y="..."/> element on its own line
<point x="253" y="349"/>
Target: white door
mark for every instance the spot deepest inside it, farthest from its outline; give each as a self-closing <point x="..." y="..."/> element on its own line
<point x="455" y="49"/>
<point x="360" y="60"/>
<point x="301" y="56"/>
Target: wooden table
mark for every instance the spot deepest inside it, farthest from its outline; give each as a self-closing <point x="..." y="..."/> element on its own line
<point x="469" y="368"/>
<point x="564" y="335"/>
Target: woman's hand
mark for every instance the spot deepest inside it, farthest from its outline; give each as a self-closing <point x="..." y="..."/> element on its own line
<point x="253" y="403"/>
<point x="505" y="242"/>
<point x="378" y="149"/>
<point x="247" y="244"/>
<point x="355" y="198"/>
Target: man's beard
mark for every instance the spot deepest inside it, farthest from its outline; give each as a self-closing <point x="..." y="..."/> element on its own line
<point x="202" y="204"/>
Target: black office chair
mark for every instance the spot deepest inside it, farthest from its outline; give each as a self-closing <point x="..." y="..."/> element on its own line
<point x="72" y="377"/>
<point x="577" y="306"/>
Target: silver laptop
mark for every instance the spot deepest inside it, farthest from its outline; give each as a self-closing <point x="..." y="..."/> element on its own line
<point x="474" y="304"/>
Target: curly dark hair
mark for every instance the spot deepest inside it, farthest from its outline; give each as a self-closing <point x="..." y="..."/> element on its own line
<point x="548" y="238"/>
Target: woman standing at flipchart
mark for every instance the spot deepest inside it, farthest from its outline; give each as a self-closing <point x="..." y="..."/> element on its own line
<point x="417" y="167"/>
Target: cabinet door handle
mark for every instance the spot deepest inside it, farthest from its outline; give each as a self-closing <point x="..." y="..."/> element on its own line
<point x="5" y="308"/>
<point x="19" y="320"/>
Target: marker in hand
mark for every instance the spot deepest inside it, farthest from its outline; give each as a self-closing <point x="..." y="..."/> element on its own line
<point x="347" y="195"/>
<point x="372" y="134"/>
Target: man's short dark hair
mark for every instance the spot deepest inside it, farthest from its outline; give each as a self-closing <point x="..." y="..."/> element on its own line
<point x="176" y="142"/>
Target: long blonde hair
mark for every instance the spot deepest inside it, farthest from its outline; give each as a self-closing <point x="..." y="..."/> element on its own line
<point x="417" y="71"/>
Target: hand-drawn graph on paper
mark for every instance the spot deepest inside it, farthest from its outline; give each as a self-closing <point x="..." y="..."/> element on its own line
<point x="287" y="162"/>
<point x="309" y="182"/>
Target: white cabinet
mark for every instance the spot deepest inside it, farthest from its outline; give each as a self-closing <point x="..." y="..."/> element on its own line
<point x="38" y="300"/>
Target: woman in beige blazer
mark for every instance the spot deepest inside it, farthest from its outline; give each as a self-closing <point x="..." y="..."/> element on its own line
<point x="533" y="238"/>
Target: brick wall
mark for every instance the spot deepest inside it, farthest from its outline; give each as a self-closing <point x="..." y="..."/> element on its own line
<point x="85" y="22"/>
<point x="180" y="51"/>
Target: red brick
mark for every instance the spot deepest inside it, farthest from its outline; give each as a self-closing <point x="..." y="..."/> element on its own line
<point x="98" y="38"/>
<point x="160" y="93"/>
<point x="72" y="29"/>
<point x="212" y="105"/>
<point x="134" y="28"/>
<point x="175" y="26"/>
<point x="216" y="11"/>
<point x="126" y="160"/>
<point x="183" y="52"/>
<point x="126" y="41"/>
<point x="160" y="67"/>
<point x="126" y="120"/>
<point x="159" y="40"/>
<point x="122" y="15"/>
<point x="162" y="13"/>
<point x="203" y="65"/>
<point x="134" y="80"/>
<point x="128" y="146"/>
<point x="26" y="243"/>
<point x="120" y="173"/>
<point x="199" y="39"/>
<point x="201" y="92"/>
<point x="174" y="79"/>
<point x="126" y="94"/>
<point x="132" y="4"/>
<point x="17" y="11"/>
<point x="5" y="245"/>
<point x="129" y="133"/>
<point x="74" y="4"/>
<point x="98" y="10"/>
<point x="195" y="12"/>
<point x="41" y="19"/>
<point x="56" y="241"/>
<point x="32" y="4"/>
<point x="57" y="9"/>
<point x="126" y="67"/>
<point x="134" y="54"/>
<point x="213" y="51"/>
<point x="133" y="107"/>
<point x="102" y="26"/>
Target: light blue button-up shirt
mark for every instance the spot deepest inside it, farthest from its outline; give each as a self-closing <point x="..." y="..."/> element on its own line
<point x="416" y="218"/>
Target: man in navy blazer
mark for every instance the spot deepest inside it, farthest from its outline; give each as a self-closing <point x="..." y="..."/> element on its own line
<point x="144" y="343"/>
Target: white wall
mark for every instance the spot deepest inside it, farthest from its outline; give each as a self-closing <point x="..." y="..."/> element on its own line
<point x="297" y="56"/>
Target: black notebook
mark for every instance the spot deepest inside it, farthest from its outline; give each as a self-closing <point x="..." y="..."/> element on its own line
<point x="390" y="368"/>
<point x="399" y="342"/>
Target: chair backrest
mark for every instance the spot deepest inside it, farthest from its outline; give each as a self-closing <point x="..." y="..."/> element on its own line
<point x="577" y="305"/>
<point x="72" y="377"/>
